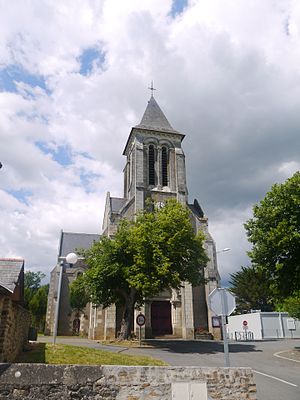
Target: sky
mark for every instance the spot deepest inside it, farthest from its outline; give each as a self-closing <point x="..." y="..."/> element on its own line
<point x="74" y="78"/>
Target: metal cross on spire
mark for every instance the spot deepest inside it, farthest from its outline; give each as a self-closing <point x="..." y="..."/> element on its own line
<point x="151" y="88"/>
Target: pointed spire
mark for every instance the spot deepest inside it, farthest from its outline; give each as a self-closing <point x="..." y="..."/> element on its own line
<point x="154" y="118"/>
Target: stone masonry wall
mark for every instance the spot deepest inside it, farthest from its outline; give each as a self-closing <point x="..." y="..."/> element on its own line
<point x="14" y="325"/>
<point x="56" y="382"/>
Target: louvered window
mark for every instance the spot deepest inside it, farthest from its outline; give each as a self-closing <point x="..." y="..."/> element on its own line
<point x="151" y="165"/>
<point x="164" y="166"/>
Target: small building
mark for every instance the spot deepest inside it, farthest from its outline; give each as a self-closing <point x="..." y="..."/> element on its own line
<point x="14" y="319"/>
<point x="263" y="325"/>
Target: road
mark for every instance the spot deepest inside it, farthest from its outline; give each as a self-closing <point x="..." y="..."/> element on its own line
<point x="276" y="378"/>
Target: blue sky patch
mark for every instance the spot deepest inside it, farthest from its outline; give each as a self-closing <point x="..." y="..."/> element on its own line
<point x="86" y="155"/>
<point x="21" y="195"/>
<point x="86" y="179"/>
<point x="88" y="58"/>
<point x="178" y="6"/>
<point x="14" y="73"/>
<point x="61" y="154"/>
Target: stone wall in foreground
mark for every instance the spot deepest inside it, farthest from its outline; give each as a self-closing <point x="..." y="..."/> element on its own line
<point x="14" y="325"/>
<point x="57" y="382"/>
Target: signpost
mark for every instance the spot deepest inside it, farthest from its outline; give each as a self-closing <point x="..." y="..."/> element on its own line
<point x="222" y="303"/>
<point x="140" y="320"/>
<point x="291" y="325"/>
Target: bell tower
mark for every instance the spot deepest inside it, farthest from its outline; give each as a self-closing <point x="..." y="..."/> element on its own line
<point x="155" y="162"/>
<point x="155" y="169"/>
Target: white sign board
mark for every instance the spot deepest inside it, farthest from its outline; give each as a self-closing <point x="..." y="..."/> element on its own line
<point x="291" y="324"/>
<point x="221" y="301"/>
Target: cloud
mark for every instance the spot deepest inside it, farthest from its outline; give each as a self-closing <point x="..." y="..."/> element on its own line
<point x="73" y="81"/>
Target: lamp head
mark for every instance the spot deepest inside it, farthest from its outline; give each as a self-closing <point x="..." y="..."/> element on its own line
<point x="72" y="258"/>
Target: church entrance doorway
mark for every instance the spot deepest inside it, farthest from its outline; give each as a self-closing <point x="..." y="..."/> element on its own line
<point x="161" y="318"/>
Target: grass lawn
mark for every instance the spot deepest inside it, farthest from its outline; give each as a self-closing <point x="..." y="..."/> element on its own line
<point x="64" y="354"/>
<point x="125" y="343"/>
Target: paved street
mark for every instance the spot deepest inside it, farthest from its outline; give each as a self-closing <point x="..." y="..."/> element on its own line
<point x="276" y="378"/>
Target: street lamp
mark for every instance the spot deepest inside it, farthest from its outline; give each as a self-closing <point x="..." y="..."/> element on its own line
<point x="223" y="316"/>
<point x="71" y="258"/>
<point x="223" y="250"/>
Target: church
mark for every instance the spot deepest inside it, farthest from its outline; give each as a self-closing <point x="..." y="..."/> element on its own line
<point x="154" y="169"/>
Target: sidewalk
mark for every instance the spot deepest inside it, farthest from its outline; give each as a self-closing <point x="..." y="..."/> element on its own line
<point x="293" y="355"/>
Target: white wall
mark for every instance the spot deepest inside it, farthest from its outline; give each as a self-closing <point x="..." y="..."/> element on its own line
<point x="264" y="325"/>
<point x="235" y="324"/>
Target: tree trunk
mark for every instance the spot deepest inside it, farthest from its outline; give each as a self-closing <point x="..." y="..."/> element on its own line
<point x="125" y="332"/>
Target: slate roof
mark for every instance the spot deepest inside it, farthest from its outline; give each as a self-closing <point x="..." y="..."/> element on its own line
<point x="10" y="270"/>
<point x="154" y="118"/>
<point x="71" y="241"/>
<point x="116" y="204"/>
<point x="196" y="209"/>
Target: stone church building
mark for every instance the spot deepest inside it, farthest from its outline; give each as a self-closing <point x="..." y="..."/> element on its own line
<point x="155" y="169"/>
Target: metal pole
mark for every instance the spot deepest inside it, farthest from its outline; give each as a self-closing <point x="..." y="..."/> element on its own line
<point x="140" y="335"/>
<point x="225" y="339"/>
<point x="58" y="302"/>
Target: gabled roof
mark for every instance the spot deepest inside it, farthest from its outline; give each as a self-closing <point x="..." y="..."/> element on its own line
<point x="10" y="270"/>
<point x="71" y="241"/>
<point x="116" y="204"/>
<point x="154" y="119"/>
<point x="196" y="209"/>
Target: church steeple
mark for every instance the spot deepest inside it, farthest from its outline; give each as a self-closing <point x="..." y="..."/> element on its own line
<point x="154" y="119"/>
<point x="155" y="165"/>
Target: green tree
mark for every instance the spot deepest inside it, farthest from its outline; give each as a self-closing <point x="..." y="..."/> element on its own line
<point x="35" y="297"/>
<point x="251" y="288"/>
<point x="274" y="232"/>
<point x="78" y="294"/>
<point x="38" y="306"/>
<point x="157" y="251"/>
<point x="291" y="305"/>
<point x="32" y="282"/>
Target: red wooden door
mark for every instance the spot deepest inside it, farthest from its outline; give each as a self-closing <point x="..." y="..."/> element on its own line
<point x="161" y="318"/>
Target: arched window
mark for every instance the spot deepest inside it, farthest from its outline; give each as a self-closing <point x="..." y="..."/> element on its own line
<point x="151" y="165"/>
<point x="164" y="166"/>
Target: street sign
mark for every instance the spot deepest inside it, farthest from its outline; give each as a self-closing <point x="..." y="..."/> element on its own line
<point x="222" y="302"/>
<point x="216" y="322"/>
<point x="219" y="296"/>
<point x="141" y="319"/>
<point x="245" y="325"/>
<point x="291" y="324"/>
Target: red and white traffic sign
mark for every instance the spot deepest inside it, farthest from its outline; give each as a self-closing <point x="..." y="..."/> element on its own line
<point x="245" y="325"/>
<point x="141" y="319"/>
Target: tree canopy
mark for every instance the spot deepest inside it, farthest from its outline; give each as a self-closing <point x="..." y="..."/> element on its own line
<point x="78" y="294"/>
<point x="251" y="288"/>
<point x="158" y="250"/>
<point x="35" y="297"/>
<point x="274" y="232"/>
<point x="32" y="280"/>
<point x="291" y="305"/>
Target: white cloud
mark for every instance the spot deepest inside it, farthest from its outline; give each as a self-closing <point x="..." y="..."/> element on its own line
<point x="287" y="169"/>
<point x="228" y="232"/>
<point x="227" y="76"/>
